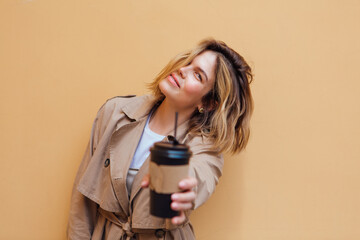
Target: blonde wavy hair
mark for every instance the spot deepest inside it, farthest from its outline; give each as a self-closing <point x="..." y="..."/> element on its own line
<point x="228" y="106"/>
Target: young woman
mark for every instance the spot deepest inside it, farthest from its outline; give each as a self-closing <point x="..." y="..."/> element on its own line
<point x="209" y="87"/>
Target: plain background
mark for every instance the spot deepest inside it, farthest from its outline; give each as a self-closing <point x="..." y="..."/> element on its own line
<point x="299" y="177"/>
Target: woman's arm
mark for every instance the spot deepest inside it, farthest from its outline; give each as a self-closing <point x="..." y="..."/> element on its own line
<point x="206" y="167"/>
<point x="83" y="211"/>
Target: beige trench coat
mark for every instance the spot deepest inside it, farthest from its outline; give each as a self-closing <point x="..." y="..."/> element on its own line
<point x="100" y="206"/>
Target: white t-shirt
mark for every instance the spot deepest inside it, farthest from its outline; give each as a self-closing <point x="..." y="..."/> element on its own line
<point x="147" y="140"/>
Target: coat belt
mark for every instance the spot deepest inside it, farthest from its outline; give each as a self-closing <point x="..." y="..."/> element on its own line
<point x="123" y="228"/>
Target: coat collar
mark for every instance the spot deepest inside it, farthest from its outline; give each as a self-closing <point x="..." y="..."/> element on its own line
<point x="140" y="108"/>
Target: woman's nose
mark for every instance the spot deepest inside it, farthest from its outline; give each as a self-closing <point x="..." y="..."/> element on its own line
<point x="182" y="73"/>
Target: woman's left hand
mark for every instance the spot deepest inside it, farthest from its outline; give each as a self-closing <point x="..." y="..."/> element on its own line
<point x="181" y="201"/>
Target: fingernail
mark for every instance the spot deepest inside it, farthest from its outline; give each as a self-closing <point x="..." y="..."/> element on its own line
<point x="176" y="220"/>
<point x="182" y="184"/>
<point x="174" y="197"/>
<point x="174" y="206"/>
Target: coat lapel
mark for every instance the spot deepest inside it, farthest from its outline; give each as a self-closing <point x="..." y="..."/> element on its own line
<point x="121" y="152"/>
<point x="123" y="143"/>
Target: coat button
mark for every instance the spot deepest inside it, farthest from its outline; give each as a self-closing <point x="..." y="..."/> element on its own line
<point x="159" y="233"/>
<point x="107" y="162"/>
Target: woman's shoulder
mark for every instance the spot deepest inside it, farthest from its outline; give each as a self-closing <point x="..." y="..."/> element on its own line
<point x="129" y="105"/>
<point x="121" y="101"/>
<point x="200" y="144"/>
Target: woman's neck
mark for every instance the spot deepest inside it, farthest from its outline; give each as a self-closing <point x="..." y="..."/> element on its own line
<point x="163" y="119"/>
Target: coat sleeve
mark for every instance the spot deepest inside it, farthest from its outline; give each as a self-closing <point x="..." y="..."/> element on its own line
<point x="206" y="166"/>
<point x="83" y="211"/>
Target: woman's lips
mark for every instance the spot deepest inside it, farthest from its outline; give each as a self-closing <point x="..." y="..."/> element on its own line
<point x="173" y="80"/>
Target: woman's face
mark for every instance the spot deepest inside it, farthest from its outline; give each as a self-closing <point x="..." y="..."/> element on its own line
<point x="186" y="87"/>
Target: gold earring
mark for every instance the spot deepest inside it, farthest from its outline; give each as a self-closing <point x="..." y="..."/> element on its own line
<point x="201" y="110"/>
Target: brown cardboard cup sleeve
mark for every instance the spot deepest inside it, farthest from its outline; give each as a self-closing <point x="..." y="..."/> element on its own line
<point x="173" y="175"/>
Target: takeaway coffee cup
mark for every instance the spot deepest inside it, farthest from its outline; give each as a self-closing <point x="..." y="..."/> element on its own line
<point x="169" y="163"/>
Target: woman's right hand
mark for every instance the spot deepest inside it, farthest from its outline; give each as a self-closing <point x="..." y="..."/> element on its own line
<point x="181" y="201"/>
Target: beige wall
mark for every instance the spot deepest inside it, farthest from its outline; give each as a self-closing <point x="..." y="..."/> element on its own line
<point x="299" y="177"/>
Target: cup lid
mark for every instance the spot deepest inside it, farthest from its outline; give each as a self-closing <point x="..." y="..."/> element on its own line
<point x="171" y="146"/>
<point x="162" y="152"/>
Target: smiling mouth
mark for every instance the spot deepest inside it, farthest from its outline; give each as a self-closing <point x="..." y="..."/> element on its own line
<point x="173" y="80"/>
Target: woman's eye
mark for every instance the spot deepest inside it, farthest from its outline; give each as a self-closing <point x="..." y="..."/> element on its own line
<point x="198" y="76"/>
